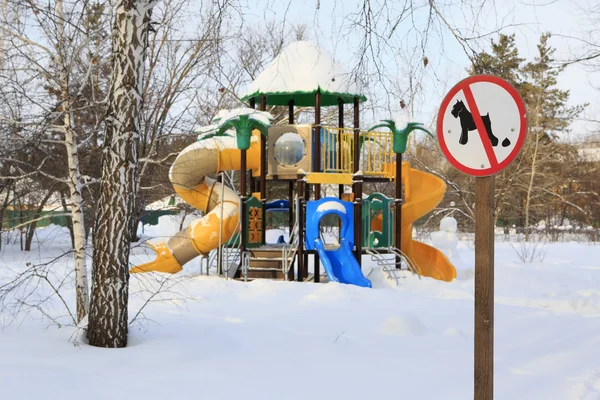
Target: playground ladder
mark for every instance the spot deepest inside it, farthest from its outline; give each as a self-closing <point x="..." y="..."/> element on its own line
<point x="390" y="265"/>
<point x="409" y="263"/>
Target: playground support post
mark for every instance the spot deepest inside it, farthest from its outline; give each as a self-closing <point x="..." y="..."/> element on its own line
<point x="484" y="288"/>
<point x="263" y="170"/>
<point x="317" y="141"/>
<point x="291" y="183"/>
<point x="220" y="248"/>
<point x="292" y="206"/>
<point x="316" y="264"/>
<point x="356" y="158"/>
<point x="253" y="182"/>
<point x="299" y="205"/>
<point x="302" y="219"/>
<point x="358" y="189"/>
<point x="398" y="214"/>
<point x="340" y="144"/>
<point x="263" y="154"/>
<point x="243" y="198"/>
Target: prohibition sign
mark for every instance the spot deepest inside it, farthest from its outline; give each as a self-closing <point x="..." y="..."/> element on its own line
<point x="481" y="125"/>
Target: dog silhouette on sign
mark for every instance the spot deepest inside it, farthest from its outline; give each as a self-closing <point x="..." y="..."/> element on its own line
<point x="468" y="124"/>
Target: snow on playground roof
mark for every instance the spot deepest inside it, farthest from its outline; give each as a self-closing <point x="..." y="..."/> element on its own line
<point x="298" y="72"/>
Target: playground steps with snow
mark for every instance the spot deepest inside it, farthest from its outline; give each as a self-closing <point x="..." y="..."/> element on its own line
<point x="266" y="264"/>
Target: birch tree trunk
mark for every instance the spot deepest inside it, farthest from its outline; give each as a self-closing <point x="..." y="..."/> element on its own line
<point x="74" y="179"/>
<point x="35" y="218"/>
<point x="530" y="186"/>
<point x="110" y="278"/>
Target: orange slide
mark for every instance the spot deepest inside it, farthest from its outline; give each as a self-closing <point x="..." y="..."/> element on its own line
<point x="422" y="193"/>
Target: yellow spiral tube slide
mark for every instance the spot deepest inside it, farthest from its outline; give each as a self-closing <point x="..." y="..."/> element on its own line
<point x="422" y="193"/>
<point x="188" y="174"/>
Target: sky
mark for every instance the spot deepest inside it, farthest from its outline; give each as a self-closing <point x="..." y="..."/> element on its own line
<point x="332" y="25"/>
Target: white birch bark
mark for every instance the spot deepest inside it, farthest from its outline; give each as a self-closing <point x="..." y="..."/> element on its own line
<point x="74" y="179"/>
<point x="110" y="274"/>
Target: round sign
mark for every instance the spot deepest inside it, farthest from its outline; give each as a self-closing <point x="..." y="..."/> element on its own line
<point x="481" y="125"/>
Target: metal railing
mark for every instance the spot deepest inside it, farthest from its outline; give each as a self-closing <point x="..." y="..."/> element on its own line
<point x="389" y="264"/>
<point x="288" y="252"/>
<point x="228" y="179"/>
<point x="245" y="264"/>
<point x="230" y="252"/>
<point x="230" y="255"/>
<point x="409" y="263"/>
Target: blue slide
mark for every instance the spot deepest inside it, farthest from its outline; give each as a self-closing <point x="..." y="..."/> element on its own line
<point x="340" y="264"/>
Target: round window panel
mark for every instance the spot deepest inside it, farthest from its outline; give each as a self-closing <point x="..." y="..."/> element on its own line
<point x="289" y="149"/>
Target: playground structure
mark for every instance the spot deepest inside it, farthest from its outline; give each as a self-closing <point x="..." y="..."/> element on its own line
<point x="232" y="232"/>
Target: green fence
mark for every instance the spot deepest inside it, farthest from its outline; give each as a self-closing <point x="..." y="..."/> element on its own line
<point x="17" y="218"/>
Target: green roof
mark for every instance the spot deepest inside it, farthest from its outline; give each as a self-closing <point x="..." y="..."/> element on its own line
<point x="305" y="99"/>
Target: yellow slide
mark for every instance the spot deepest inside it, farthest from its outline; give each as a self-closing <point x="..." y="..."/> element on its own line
<point x="188" y="176"/>
<point x="422" y="193"/>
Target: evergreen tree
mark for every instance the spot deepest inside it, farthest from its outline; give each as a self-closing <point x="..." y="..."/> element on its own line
<point x="504" y="61"/>
<point x="526" y="188"/>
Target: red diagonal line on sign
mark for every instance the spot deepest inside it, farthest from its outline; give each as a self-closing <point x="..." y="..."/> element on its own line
<point x="487" y="145"/>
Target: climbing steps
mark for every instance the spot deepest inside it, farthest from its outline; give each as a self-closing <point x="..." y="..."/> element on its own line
<point x="266" y="264"/>
<point x="392" y="263"/>
<point x="263" y="263"/>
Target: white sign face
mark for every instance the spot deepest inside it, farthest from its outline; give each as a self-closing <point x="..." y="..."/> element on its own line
<point x="481" y="125"/>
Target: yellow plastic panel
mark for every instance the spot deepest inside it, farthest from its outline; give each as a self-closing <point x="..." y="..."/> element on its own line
<point x="325" y="178"/>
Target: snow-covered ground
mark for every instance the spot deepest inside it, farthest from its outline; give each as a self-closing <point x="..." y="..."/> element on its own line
<point x="208" y="338"/>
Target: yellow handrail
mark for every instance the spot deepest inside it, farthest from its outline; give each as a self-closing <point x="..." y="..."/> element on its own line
<point x="376" y="152"/>
<point x="336" y="151"/>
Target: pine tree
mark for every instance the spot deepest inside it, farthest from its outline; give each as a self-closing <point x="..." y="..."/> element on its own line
<point x="525" y="188"/>
<point x="504" y="61"/>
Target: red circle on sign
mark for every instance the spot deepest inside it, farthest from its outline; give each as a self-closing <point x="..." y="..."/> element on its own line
<point x="494" y="167"/>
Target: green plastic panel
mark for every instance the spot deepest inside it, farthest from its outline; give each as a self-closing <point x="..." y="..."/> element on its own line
<point x="373" y="206"/>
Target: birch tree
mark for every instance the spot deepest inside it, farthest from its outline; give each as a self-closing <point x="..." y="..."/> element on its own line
<point x="73" y="180"/>
<point x="53" y="53"/>
<point x="110" y="279"/>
